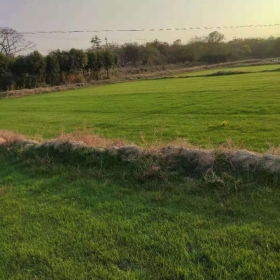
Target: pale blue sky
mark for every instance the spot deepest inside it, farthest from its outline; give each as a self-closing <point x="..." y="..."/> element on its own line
<point x="43" y="15"/>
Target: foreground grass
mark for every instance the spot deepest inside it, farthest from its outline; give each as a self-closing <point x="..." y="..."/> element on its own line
<point x="205" y="110"/>
<point x="67" y="219"/>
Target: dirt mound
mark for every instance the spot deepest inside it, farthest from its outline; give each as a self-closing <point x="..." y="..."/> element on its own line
<point x="169" y="158"/>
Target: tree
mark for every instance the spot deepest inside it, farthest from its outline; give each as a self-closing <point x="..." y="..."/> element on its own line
<point x="215" y="37"/>
<point x="194" y="49"/>
<point x="162" y="47"/>
<point x="78" y="60"/>
<point x="19" y="69"/>
<point x="52" y="69"/>
<point x="259" y="47"/>
<point x="116" y="61"/>
<point x="131" y="54"/>
<point x="96" y="41"/>
<point x="12" y="42"/>
<point x="63" y="60"/>
<point x="36" y="67"/>
<point x="95" y="63"/>
<point x="276" y="47"/>
<point x="108" y="61"/>
<point x="151" y="55"/>
<point x="6" y="76"/>
<point x="35" y="64"/>
<point x="215" y="50"/>
<point x="178" y="42"/>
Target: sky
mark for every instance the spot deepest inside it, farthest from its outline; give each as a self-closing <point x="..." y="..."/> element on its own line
<point x="65" y="15"/>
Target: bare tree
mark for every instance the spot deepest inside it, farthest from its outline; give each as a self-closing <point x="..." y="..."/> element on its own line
<point x="13" y="42"/>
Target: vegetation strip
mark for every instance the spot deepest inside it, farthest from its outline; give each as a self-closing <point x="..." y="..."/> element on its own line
<point x="74" y="212"/>
<point x="193" y="162"/>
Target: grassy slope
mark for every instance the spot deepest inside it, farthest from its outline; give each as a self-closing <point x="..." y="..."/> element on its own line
<point x="252" y="69"/>
<point x="163" y="110"/>
<point x="62" y="221"/>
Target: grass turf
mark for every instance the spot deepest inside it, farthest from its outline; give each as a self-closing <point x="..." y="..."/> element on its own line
<point x="204" y="110"/>
<point x="67" y="219"/>
<point x="251" y="69"/>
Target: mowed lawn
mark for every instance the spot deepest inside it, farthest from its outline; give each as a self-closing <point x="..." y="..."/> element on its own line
<point x="203" y="110"/>
<point x="69" y="221"/>
<point x="251" y="69"/>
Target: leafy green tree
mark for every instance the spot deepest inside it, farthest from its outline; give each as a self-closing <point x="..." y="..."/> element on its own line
<point x="276" y="47"/>
<point x="151" y="56"/>
<point x="215" y="38"/>
<point x="64" y="60"/>
<point x="78" y="60"/>
<point x="52" y="69"/>
<point x="6" y="76"/>
<point x="20" y="70"/>
<point x="178" y="42"/>
<point x="108" y="61"/>
<point x="95" y="63"/>
<point x="35" y="68"/>
<point x="131" y="54"/>
<point x="35" y="64"/>
<point x="162" y="47"/>
<point x="259" y="46"/>
<point x="116" y="60"/>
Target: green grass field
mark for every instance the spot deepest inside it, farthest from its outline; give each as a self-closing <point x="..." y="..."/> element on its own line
<point x="205" y="110"/>
<point x="251" y="69"/>
<point x="76" y="215"/>
<point x="65" y="218"/>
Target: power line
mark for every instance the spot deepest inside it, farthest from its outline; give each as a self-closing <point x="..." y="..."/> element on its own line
<point x="152" y="30"/>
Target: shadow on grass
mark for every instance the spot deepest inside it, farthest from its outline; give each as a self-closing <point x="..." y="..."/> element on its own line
<point x="81" y="177"/>
<point x="89" y="219"/>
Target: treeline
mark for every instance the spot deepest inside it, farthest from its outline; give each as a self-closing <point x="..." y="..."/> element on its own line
<point x="100" y="61"/>
<point x="209" y="49"/>
<point x="58" y="67"/>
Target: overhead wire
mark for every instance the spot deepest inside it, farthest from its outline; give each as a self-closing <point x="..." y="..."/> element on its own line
<point x="151" y="30"/>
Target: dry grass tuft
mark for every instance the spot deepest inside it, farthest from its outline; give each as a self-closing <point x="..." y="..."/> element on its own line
<point x="230" y="145"/>
<point x="182" y="143"/>
<point x="177" y="154"/>
<point x="92" y="140"/>
<point x="34" y="91"/>
<point x="274" y="151"/>
<point x="11" y="137"/>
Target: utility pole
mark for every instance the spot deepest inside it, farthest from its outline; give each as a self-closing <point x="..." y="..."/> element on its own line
<point x="106" y="39"/>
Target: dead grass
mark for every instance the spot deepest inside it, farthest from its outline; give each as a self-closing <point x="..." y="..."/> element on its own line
<point x="34" y="91"/>
<point x="230" y="145"/>
<point x="182" y="143"/>
<point x="274" y="151"/>
<point x="91" y="140"/>
<point x="176" y="154"/>
<point x="11" y="137"/>
<point x="227" y="146"/>
<point x="40" y="90"/>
